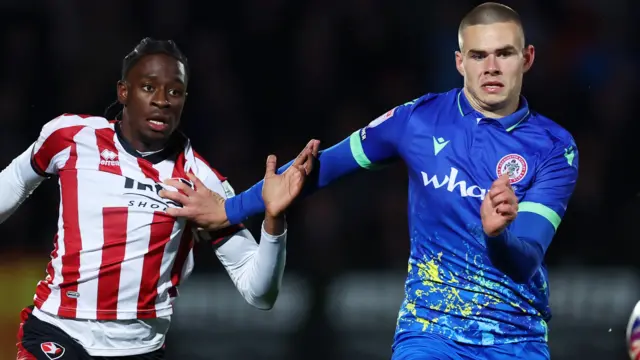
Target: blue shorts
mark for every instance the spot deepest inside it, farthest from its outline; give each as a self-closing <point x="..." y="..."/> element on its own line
<point x="435" y="347"/>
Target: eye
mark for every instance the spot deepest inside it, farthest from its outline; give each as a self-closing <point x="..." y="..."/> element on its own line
<point x="147" y="88"/>
<point x="477" y="56"/>
<point x="505" y="54"/>
<point x="175" y="92"/>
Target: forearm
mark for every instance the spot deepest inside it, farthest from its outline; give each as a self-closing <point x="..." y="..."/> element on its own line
<point x="17" y="182"/>
<point x="257" y="270"/>
<point x="519" y="251"/>
<point x="333" y="163"/>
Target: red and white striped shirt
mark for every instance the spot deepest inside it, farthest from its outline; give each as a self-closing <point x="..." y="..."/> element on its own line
<point x="118" y="258"/>
<point x="117" y="254"/>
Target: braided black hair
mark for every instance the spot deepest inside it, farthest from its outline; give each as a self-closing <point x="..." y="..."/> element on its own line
<point x="147" y="46"/>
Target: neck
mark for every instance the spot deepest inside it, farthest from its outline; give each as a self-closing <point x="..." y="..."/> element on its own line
<point x="135" y="140"/>
<point x="507" y="108"/>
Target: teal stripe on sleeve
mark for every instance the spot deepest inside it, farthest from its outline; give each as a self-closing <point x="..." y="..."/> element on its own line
<point x="542" y="210"/>
<point x="358" y="152"/>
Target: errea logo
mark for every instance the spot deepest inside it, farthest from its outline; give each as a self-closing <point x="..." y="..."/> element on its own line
<point x="109" y="158"/>
<point x="451" y="183"/>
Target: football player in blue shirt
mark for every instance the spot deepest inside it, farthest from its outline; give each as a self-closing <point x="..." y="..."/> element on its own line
<point x="489" y="182"/>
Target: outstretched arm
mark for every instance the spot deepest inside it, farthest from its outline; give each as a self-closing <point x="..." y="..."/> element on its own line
<point x="256" y="270"/>
<point x="367" y="148"/>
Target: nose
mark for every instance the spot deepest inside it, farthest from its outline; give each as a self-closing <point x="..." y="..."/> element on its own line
<point x="491" y="66"/>
<point x="160" y="100"/>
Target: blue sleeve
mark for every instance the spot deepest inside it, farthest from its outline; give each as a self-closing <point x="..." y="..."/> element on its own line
<point x="519" y="250"/>
<point x="367" y="148"/>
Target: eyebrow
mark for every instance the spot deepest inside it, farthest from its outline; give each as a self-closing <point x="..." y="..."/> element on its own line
<point x="153" y="77"/>
<point x="504" y="48"/>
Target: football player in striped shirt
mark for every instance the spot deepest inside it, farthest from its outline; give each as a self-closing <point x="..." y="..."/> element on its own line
<point x="489" y="182"/>
<point x="118" y="257"/>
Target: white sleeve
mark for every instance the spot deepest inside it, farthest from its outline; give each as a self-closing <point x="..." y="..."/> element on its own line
<point x="17" y="182"/>
<point x="256" y="270"/>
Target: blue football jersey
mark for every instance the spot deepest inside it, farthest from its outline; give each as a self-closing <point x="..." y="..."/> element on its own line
<point x="454" y="286"/>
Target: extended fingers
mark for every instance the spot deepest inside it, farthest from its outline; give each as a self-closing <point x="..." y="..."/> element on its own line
<point x="174" y="196"/>
<point x="180" y="186"/>
<point x="199" y="186"/>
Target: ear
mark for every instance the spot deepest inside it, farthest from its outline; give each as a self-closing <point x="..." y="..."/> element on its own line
<point x="459" y="63"/>
<point x="529" y="54"/>
<point x="123" y="92"/>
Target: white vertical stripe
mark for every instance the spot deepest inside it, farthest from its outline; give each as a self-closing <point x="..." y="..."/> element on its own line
<point x="138" y="237"/>
<point x="90" y="221"/>
<point x="187" y="268"/>
<point x="131" y="271"/>
<point x="53" y="301"/>
<point x="168" y="259"/>
<point x="165" y="170"/>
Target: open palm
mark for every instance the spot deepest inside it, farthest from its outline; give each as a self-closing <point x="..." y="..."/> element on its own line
<point x="280" y="190"/>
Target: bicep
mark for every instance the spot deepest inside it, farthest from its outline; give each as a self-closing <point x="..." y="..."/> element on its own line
<point x="380" y="141"/>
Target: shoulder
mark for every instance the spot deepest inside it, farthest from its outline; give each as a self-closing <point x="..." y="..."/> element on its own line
<point x="431" y="100"/>
<point x="556" y="135"/>
<point x="209" y="175"/>
<point x="403" y="112"/>
<point x="65" y="126"/>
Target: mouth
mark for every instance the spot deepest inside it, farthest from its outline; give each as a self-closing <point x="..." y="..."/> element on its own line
<point x="492" y="87"/>
<point x="158" y="123"/>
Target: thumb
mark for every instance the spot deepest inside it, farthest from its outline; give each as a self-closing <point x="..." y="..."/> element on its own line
<point x="505" y="179"/>
<point x="271" y="166"/>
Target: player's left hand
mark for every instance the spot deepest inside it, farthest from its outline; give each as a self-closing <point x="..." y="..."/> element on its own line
<point x="280" y="190"/>
<point x="499" y="207"/>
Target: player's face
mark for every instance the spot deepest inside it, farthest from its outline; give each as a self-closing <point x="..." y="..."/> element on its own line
<point x="493" y="60"/>
<point x="153" y="94"/>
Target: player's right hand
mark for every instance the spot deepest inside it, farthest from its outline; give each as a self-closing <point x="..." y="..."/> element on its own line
<point x="202" y="206"/>
<point x="499" y="207"/>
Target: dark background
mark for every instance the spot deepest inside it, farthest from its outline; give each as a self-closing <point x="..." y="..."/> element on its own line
<point x="267" y="75"/>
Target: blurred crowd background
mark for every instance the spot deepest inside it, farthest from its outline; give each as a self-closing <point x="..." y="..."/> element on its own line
<point x="267" y="75"/>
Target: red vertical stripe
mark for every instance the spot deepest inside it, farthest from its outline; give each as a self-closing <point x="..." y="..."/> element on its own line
<point x="43" y="290"/>
<point x="148" y="170"/>
<point x="161" y="229"/>
<point x="56" y="142"/>
<point x="186" y="241"/>
<point x="109" y="157"/>
<point x="113" y="250"/>
<point x="178" y="167"/>
<point x="72" y="240"/>
<point x="186" y="244"/>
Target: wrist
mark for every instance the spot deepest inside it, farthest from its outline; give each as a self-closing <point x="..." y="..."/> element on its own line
<point x="274" y="224"/>
<point x="221" y="222"/>
<point x="494" y="234"/>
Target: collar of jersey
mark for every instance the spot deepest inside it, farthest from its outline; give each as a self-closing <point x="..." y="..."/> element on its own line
<point x="176" y="144"/>
<point x="509" y="122"/>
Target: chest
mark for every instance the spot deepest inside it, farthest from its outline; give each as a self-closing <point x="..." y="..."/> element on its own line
<point x="107" y="178"/>
<point x="453" y="164"/>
